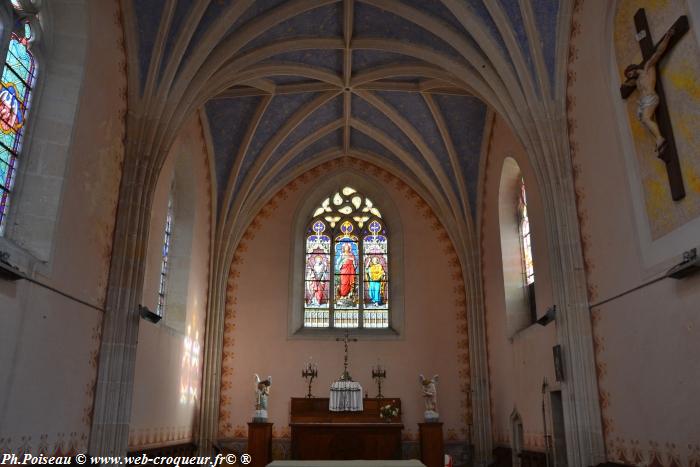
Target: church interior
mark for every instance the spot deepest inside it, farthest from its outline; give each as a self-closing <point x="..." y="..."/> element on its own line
<point x="439" y="232"/>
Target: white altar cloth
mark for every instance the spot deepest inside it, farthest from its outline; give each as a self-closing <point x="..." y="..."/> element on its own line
<point x="346" y="396"/>
<point x="358" y="463"/>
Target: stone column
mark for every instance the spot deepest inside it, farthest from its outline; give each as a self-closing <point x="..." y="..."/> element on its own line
<point x="211" y="374"/>
<point x="115" y="377"/>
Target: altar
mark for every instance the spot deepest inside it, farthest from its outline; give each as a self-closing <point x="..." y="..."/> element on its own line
<point x="320" y="434"/>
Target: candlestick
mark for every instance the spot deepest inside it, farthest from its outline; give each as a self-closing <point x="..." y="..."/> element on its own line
<point x="309" y="372"/>
<point x="379" y="373"/>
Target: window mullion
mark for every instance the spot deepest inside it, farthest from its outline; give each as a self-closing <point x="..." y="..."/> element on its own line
<point x="331" y="284"/>
<point x="360" y="283"/>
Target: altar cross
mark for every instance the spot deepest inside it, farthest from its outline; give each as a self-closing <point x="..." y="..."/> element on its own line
<point x="667" y="152"/>
<point x="346" y="339"/>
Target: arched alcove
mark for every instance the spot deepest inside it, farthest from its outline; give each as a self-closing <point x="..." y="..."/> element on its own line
<point x="183" y="196"/>
<point x="519" y="295"/>
<point x="430" y="334"/>
<point x="169" y="354"/>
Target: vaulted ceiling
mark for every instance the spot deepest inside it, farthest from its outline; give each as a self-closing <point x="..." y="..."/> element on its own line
<point x="406" y="84"/>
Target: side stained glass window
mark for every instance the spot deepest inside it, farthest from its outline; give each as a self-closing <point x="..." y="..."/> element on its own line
<point x="525" y="238"/>
<point x="346" y="264"/>
<point x="317" y="286"/>
<point x="16" y="87"/>
<point x="164" y="265"/>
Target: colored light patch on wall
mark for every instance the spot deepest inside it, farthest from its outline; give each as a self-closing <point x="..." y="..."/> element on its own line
<point x="190" y="367"/>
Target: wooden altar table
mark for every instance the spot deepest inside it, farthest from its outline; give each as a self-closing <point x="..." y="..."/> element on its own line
<point x="319" y="434"/>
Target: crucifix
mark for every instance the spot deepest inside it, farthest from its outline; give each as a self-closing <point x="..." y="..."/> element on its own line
<point x="652" y="100"/>
<point x="346" y="339"/>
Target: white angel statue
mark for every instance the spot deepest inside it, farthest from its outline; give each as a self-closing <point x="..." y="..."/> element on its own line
<point x="430" y="395"/>
<point x="262" y="391"/>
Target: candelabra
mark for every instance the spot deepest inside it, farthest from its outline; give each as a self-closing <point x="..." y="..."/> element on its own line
<point x="309" y="372"/>
<point x="379" y="373"/>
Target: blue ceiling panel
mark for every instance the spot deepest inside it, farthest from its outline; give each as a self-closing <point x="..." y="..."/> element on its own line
<point x="182" y="9"/>
<point x="214" y="11"/>
<point x="364" y="59"/>
<point x="228" y="122"/>
<point x="330" y="59"/>
<point x="546" y="15"/>
<point x="330" y="112"/>
<point x="438" y="10"/>
<point x="280" y="109"/>
<point x="333" y="140"/>
<point x="359" y="140"/>
<point x="325" y="21"/>
<point x="256" y="9"/>
<point x="412" y="107"/>
<point x="478" y="8"/>
<point x="148" y="16"/>
<point x="465" y="117"/>
<point x="285" y="79"/>
<point x="512" y="9"/>
<point x="372" y="22"/>
<point x="362" y="110"/>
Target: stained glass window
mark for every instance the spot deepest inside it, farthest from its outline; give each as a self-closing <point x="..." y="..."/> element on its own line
<point x="16" y="86"/>
<point x="164" y="265"/>
<point x="525" y="237"/>
<point x="346" y="264"/>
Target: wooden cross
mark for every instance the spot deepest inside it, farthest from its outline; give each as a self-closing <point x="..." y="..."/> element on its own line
<point x="346" y="339"/>
<point x="669" y="153"/>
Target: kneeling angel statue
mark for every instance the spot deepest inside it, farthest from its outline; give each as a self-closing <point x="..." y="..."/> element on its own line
<point x="430" y="395"/>
<point x="262" y="392"/>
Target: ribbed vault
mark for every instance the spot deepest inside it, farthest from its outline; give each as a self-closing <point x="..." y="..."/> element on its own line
<point x="285" y="85"/>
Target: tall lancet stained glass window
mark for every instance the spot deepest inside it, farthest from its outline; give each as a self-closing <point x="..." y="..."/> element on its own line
<point x="525" y="237"/>
<point x="16" y="86"/>
<point x="165" y="260"/>
<point x="346" y="264"/>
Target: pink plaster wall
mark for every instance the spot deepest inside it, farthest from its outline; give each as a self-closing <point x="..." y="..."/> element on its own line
<point x="517" y="365"/>
<point x="647" y="341"/>
<point x="168" y="366"/>
<point x="256" y="339"/>
<point x="49" y="343"/>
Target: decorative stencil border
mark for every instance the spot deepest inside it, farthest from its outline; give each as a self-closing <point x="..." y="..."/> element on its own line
<point x="574" y="146"/>
<point x="156" y="437"/>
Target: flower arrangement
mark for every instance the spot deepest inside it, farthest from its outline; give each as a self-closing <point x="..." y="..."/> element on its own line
<point x="388" y="411"/>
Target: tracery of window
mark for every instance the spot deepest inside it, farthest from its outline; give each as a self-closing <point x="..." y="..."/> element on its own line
<point x="164" y="265"/>
<point x="525" y="238"/>
<point x="16" y="87"/>
<point x="346" y="264"/>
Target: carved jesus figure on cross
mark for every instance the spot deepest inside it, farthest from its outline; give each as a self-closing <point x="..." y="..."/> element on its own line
<point x="346" y="339"/>
<point x="643" y="76"/>
<point x="652" y="110"/>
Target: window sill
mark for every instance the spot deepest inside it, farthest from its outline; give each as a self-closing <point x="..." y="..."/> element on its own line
<point x="20" y="259"/>
<point x="332" y="333"/>
<point x="526" y="331"/>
